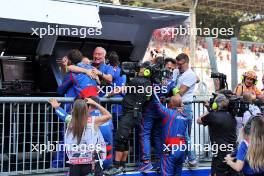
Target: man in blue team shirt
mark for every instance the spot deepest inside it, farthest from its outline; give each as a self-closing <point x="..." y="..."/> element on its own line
<point x="174" y="126"/>
<point x="104" y="71"/>
<point x="118" y="81"/>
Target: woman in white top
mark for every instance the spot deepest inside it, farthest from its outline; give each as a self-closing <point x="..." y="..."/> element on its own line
<point x="84" y="143"/>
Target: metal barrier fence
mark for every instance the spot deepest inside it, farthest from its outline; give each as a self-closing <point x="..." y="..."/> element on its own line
<point x="26" y="123"/>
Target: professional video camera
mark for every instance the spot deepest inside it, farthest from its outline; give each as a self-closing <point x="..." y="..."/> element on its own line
<point x="155" y="72"/>
<point x="130" y="69"/>
<point x="222" y="80"/>
<point x="237" y="105"/>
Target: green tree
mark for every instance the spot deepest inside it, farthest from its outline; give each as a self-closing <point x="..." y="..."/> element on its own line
<point x="210" y="17"/>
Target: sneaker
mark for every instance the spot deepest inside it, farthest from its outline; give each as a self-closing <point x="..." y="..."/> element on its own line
<point x="192" y="164"/>
<point x="144" y="167"/>
<point x="114" y="171"/>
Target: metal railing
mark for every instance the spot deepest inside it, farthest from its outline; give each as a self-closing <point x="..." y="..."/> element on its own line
<point x="28" y="122"/>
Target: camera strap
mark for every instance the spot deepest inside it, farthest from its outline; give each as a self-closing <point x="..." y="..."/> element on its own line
<point x="242" y="87"/>
<point x="242" y="90"/>
<point x="97" y="158"/>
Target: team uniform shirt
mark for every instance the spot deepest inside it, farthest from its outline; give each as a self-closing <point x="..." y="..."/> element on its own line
<point x="241" y="155"/>
<point x="92" y="143"/>
<point x="86" y="66"/>
<point x="107" y="70"/>
<point x="188" y="78"/>
<point x="118" y="81"/>
<point x="71" y="91"/>
<point x="174" y="127"/>
<point x="174" y="122"/>
<point x="78" y="84"/>
<point x="152" y="120"/>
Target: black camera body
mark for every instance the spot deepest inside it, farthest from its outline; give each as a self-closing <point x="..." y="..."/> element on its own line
<point x="237" y="106"/>
<point x="218" y="75"/>
<point x="130" y="69"/>
<point x="222" y="80"/>
<point x="155" y="72"/>
<point x="158" y="73"/>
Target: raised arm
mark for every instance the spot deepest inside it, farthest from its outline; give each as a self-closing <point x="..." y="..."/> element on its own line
<point x="202" y="117"/>
<point x="61" y="113"/>
<point x="106" y="115"/>
<point x="77" y="69"/>
<point x="188" y="82"/>
<point x="162" y="110"/>
<point x="238" y="164"/>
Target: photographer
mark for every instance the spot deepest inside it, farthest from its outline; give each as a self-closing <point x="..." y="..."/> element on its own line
<point x="132" y="104"/>
<point x="222" y="131"/>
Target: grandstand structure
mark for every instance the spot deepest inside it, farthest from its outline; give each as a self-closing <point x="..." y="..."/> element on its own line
<point x="253" y="11"/>
<point x="250" y="6"/>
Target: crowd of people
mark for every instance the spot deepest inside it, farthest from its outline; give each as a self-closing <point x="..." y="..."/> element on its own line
<point x="89" y="123"/>
<point x="235" y="133"/>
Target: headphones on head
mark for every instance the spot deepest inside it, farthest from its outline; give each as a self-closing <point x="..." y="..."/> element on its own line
<point x="147" y="69"/>
<point x="147" y="72"/>
<point x="219" y="100"/>
<point x="250" y="74"/>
